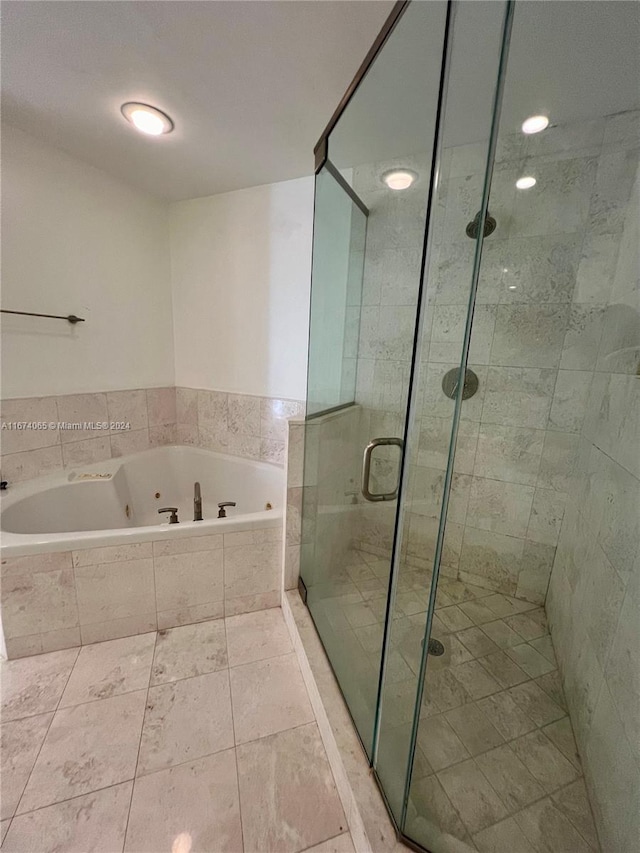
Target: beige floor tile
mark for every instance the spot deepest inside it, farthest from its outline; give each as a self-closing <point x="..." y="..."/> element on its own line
<point x="477" y="641"/>
<point x="477" y="803"/>
<point x="268" y="696"/>
<point x="533" y="663"/>
<point x="186" y="720"/>
<point x="256" y="636"/>
<point x="34" y="685"/>
<point x="561" y="735"/>
<point x="544" y="645"/>
<point x="430" y="801"/>
<point x="440" y="744"/>
<point x="509" y="778"/>
<point x="287" y="794"/>
<point x="4" y="826"/>
<point x="573" y="802"/>
<point x="503" y="837"/>
<point x="551" y="683"/>
<point x="535" y="703"/>
<point x="544" y="761"/>
<point x="93" y="822"/>
<point x="475" y="679"/>
<point x="87" y="747"/>
<point x="189" y="650"/>
<point x="191" y="807"/>
<point x="108" y="669"/>
<point x="20" y="742"/>
<point x="529" y="625"/>
<point x="506" y="716"/>
<point x="474" y="728"/>
<point x="454" y="619"/>
<point x="549" y="831"/>
<point x="503" y="669"/>
<point x="340" y="844"/>
<point x="501" y="634"/>
<point x="504" y="605"/>
<point x="477" y="612"/>
<point x="444" y="689"/>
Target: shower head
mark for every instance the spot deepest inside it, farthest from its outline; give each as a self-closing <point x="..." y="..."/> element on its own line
<point x="474" y="227"/>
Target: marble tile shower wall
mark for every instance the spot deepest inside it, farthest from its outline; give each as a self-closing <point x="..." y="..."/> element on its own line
<point x="593" y="602"/>
<point x="238" y="424"/>
<point x="541" y="304"/>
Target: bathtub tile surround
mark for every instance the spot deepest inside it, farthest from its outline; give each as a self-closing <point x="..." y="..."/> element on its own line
<point x="176" y="698"/>
<point x="58" y="600"/>
<point x="238" y="424"/>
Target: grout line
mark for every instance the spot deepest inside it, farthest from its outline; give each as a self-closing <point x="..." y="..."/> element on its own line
<point x="235" y="751"/>
<point x="53" y="715"/>
<point x="144" y="716"/>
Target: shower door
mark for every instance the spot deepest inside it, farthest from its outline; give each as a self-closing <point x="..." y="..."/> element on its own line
<point x="372" y="195"/>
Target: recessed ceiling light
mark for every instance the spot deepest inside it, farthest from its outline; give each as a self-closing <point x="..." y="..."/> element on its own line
<point x="512" y="287"/>
<point x="525" y="183"/>
<point x="147" y="119"/>
<point x="534" y="124"/>
<point x="399" y="179"/>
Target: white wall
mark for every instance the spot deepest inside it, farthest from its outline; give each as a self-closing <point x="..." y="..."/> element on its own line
<point x="240" y="266"/>
<point x="77" y="241"/>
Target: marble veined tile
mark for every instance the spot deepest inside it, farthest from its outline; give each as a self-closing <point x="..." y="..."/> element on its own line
<point x="191" y="807"/>
<point x="502" y="837"/>
<point x="186" y="720"/>
<point x="340" y="844"/>
<point x="93" y="822"/>
<point x="107" y="669"/>
<point x="549" y="830"/>
<point x="476" y="801"/>
<point x="268" y="696"/>
<point x="88" y="747"/>
<point x="288" y="797"/>
<point x="545" y="762"/>
<point x="34" y="685"/>
<point x="508" y="776"/>
<point x="20" y="742"/>
<point x="256" y="636"/>
<point x="189" y="650"/>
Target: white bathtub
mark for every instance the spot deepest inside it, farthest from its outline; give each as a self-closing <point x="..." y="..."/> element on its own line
<point x="116" y="502"/>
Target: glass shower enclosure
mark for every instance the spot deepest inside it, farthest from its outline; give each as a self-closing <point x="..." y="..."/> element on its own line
<point x="472" y="297"/>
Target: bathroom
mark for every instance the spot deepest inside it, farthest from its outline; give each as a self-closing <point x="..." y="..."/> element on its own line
<point x="321" y="498"/>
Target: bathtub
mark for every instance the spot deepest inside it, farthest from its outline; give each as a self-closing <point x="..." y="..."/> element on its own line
<point x="117" y="501"/>
<point x="86" y="556"/>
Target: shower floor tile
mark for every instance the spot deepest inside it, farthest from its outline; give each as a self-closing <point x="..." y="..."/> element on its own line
<point x="133" y="745"/>
<point x="499" y="746"/>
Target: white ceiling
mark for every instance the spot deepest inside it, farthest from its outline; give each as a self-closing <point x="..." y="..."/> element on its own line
<point x="250" y="85"/>
<point x="568" y="59"/>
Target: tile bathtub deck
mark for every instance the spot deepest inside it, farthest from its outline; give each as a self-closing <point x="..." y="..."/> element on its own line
<point x="195" y="738"/>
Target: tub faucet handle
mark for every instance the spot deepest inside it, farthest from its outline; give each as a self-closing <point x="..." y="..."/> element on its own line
<point x="221" y="508"/>
<point x="173" y="518"/>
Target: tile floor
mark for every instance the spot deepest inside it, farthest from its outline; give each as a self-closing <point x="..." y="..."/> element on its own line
<point x="496" y="765"/>
<point x="199" y="738"/>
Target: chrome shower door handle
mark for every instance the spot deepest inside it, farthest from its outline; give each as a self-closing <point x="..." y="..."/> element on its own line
<point x="366" y="469"/>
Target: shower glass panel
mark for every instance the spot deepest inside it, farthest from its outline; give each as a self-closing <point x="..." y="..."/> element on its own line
<point x="442" y="407"/>
<point x="340" y="226"/>
<point x="529" y="567"/>
<point x="348" y="521"/>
